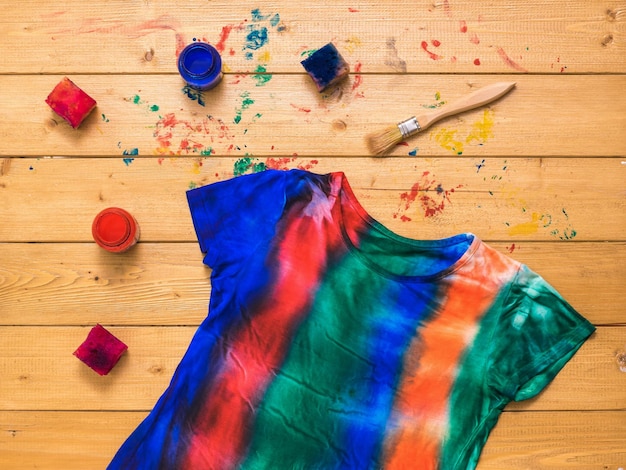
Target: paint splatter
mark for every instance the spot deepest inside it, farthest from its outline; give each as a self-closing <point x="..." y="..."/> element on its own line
<point x="128" y="161"/>
<point x="245" y="104"/>
<point x="358" y="81"/>
<point x="555" y="225"/>
<point x="447" y="139"/>
<point x="221" y="44"/>
<point x="105" y="119"/>
<point x="413" y="152"/>
<point x="476" y="61"/>
<point x="482" y="130"/>
<point x="480" y="166"/>
<point x="183" y="137"/>
<point x="432" y="55"/>
<point x="437" y="104"/>
<point x="352" y="43"/>
<point x="250" y="164"/>
<point x="463" y="26"/>
<point x="136" y="99"/>
<point x="261" y="77"/>
<point x="430" y="194"/>
<point x="510" y="62"/>
<point x="193" y="94"/>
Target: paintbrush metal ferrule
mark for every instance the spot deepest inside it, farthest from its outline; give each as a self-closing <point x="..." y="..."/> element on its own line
<point x="409" y="127"/>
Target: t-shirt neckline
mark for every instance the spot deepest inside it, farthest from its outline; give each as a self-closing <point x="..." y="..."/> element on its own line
<point x="343" y="192"/>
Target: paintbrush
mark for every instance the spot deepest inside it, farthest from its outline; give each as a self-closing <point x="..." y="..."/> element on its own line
<point x="381" y="142"/>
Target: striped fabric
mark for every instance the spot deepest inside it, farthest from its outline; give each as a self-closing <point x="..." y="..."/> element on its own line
<point x="333" y="343"/>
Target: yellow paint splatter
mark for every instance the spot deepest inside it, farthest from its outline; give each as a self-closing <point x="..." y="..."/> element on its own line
<point x="526" y="228"/>
<point x="265" y="57"/>
<point x="448" y="140"/>
<point x="352" y="43"/>
<point x="482" y="130"/>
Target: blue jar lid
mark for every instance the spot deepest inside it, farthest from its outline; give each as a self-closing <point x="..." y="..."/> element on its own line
<point x="200" y="65"/>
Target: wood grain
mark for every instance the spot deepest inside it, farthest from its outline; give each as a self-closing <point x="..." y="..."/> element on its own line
<point x="44" y="375"/>
<point x="539" y="175"/>
<point x="381" y="36"/>
<point x="505" y="199"/>
<point x="544" y="116"/>
<point x="75" y="440"/>
<point x="167" y="284"/>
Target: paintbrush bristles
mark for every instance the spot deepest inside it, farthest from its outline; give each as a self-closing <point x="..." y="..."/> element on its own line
<point x="380" y="143"/>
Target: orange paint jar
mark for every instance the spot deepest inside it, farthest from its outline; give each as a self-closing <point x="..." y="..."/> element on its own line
<point x="115" y="230"/>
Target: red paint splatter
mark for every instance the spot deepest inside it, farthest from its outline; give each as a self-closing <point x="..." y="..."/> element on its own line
<point x="508" y="61"/>
<point x="463" y="26"/>
<point x="474" y="39"/>
<point x="432" y="55"/>
<point x="285" y="163"/>
<point x="476" y="61"/>
<point x="430" y="194"/>
<point x="180" y="43"/>
<point x="221" y="45"/>
<point x="358" y="78"/>
<point x="301" y="108"/>
<point x="353" y="10"/>
<point x="446" y="8"/>
<point x="511" y="248"/>
<point x="179" y="136"/>
<point x="436" y="43"/>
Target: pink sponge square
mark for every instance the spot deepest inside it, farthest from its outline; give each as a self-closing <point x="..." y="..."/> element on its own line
<point x="70" y="102"/>
<point x="101" y="350"/>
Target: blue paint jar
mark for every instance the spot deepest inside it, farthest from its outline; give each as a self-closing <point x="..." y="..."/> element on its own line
<point x="200" y="65"/>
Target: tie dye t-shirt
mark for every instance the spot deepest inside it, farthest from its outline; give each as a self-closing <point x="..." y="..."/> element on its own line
<point x="333" y="343"/>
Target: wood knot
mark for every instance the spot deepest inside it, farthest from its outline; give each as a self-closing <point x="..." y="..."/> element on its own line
<point x="611" y="14"/>
<point x="156" y="369"/>
<point x="620" y="358"/>
<point x="606" y="40"/>
<point x="339" y="125"/>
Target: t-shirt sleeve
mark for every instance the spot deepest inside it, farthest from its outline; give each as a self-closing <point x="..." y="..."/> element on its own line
<point x="232" y="217"/>
<point x="537" y="333"/>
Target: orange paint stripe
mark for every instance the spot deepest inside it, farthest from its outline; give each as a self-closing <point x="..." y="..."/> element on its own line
<point x="421" y="410"/>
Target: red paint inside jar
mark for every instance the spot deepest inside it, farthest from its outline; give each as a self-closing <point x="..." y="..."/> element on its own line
<point x="115" y="230"/>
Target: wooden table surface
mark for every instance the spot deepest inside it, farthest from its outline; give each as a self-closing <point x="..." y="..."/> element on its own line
<point x="539" y="174"/>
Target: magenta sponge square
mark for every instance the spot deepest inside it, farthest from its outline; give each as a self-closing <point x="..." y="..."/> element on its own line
<point x="101" y="350"/>
<point x="326" y="66"/>
<point x="70" y="102"/>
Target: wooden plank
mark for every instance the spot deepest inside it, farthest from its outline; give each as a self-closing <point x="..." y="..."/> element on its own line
<point x="382" y="37"/>
<point x="167" y="284"/>
<point x="40" y="373"/>
<point x="544" y="116"/>
<point x="547" y="440"/>
<point x="499" y="199"/>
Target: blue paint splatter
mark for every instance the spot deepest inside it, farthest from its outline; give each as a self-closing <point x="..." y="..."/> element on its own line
<point x="194" y="95"/>
<point x="413" y="152"/>
<point x="128" y="161"/>
<point x="256" y="39"/>
<point x="479" y="166"/>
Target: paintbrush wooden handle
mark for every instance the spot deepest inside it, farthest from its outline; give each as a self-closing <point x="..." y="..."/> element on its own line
<point x="480" y="97"/>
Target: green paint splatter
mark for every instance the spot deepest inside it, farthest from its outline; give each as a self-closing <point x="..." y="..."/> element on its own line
<point x="261" y="76"/>
<point x="154" y="108"/>
<point x="248" y="165"/>
<point x="192" y="185"/>
<point x="206" y="151"/>
<point x="308" y="53"/>
<point x="136" y="99"/>
<point x="105" y="119"/>
<point x="245" y="104"/>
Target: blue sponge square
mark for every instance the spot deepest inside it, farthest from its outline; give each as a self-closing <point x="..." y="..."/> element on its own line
<point x="326" y="66"/>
